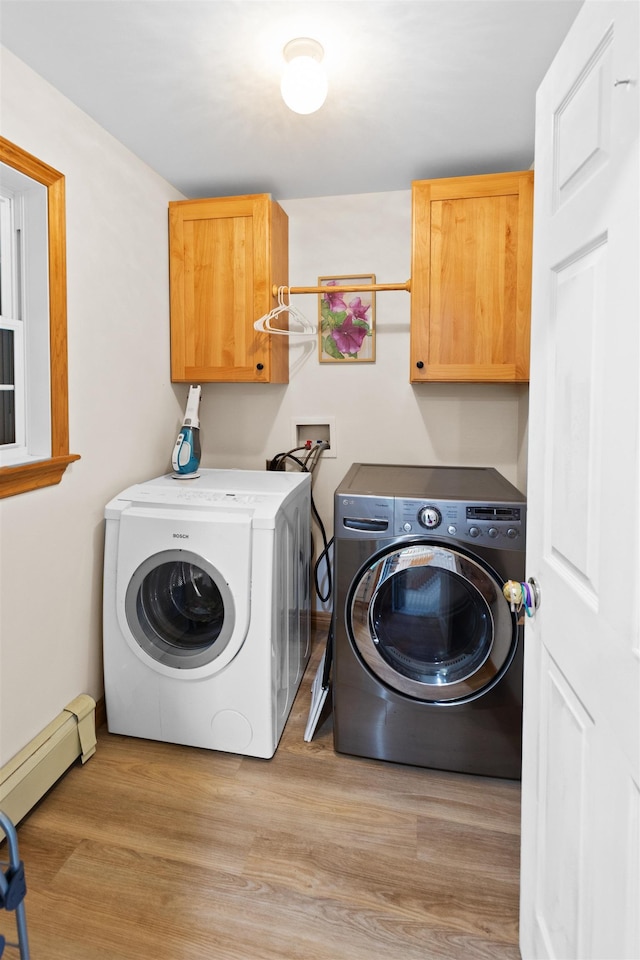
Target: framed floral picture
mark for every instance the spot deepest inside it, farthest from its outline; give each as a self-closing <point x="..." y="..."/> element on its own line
<point x="347" y="321"/>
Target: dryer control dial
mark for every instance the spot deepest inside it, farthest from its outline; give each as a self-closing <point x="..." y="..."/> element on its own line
<point x="430" y="517"/>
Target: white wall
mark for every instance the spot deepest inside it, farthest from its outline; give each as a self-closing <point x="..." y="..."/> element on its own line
<point x="123" y="411"/>
<point x="379" y="416"/>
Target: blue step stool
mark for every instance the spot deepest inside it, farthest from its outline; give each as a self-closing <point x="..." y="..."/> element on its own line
<point x="13" y="888"/>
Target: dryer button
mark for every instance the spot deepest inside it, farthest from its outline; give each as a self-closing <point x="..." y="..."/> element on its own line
<point x="474" y="532"/>
<point x="452" y="529"/>
<point x="493" y="533"/>
<point x="512" y="533"/>
<point x="406" y="527"/>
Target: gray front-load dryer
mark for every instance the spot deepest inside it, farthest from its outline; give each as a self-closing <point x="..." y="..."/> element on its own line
<point x="427" y="651"/>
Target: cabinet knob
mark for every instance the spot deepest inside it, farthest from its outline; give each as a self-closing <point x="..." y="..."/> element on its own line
<point x="259" y="366"/>
<point x="419" y="364"/>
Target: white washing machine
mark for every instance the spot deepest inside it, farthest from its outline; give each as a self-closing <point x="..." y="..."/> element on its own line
<point x="207" y="608"/>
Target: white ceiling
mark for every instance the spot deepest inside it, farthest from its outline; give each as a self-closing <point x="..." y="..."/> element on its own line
<point x="418" y="88"/>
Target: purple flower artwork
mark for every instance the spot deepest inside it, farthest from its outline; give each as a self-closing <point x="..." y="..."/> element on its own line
<point x="347" y="320"/>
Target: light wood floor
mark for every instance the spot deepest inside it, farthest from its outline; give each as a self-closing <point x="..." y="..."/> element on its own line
<point x="155" y="851"/>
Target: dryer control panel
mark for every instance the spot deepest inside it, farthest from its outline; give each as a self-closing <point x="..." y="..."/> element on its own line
<point x="464" y="522"/>
<point x="377" y="518"/>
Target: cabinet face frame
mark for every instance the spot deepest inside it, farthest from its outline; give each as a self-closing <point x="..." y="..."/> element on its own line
<point x="225" y="255"/>
<point x="471" y="278"/>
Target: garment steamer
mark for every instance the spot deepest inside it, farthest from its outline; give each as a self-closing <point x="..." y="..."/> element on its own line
<point x="186" y="452"/>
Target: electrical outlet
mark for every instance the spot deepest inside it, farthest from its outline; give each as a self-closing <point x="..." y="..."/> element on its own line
<point x="315" y="429"/>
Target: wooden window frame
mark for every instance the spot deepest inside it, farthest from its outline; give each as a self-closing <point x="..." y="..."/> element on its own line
<point x="35" y="474"/>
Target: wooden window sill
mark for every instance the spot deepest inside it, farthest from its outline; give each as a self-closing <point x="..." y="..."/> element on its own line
<point x="32" y="476"/>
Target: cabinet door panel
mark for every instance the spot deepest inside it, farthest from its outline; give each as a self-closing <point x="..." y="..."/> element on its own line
<point x="471" y="278"/>
<point x="219" y="292"/>
<point x="223" y="252"/>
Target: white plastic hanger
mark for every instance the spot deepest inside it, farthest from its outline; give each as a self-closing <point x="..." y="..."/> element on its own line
<point x="301" y="326"/>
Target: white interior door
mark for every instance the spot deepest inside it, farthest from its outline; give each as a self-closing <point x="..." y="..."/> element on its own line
<point x="581" y="768"/>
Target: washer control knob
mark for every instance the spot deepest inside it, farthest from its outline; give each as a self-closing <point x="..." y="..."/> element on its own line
<point x="474" y="532"/>
<point x="406" y="527"/>
<point x="493" y="533"/>
<point x="512" y="533"/>
<point x="430" y="517"/>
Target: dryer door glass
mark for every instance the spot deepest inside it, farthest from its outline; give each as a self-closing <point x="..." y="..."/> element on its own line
<point x="179" y="609"/>
<point x="432" y="623"/>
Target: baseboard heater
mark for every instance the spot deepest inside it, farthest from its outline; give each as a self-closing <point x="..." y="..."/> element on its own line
<point x="33" y="771"/>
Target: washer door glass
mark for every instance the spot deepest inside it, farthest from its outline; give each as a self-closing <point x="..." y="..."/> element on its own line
<point x="431" y="622"/>
<point x="179" y="609"/>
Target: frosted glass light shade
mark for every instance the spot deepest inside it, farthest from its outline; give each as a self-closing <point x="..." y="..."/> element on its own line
<point x="304" y="84"/>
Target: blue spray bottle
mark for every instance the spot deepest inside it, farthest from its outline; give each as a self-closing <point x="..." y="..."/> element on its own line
<point x="186" y="452"/>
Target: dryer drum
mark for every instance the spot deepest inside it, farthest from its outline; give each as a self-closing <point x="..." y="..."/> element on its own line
<point x="431" y="622"/>
<point x="431" y="625"/>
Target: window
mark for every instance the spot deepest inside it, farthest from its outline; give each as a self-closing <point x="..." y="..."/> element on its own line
<point x="25" y="418"/>
<point x="9" y="341"/>
<point x="34" y="444"/>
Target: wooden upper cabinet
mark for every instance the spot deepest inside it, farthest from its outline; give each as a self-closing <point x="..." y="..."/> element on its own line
<point x="225" y="255"/>
<point x="471" y="278"/>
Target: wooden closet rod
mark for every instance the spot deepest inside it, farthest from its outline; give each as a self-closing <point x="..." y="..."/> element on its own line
<point x="350" y="288"/>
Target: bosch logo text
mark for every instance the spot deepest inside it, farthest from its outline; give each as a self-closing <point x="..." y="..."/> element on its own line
<point x="181" y="536"/>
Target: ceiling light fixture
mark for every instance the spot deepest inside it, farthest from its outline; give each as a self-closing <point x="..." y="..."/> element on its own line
<point x="304" y="83"/>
